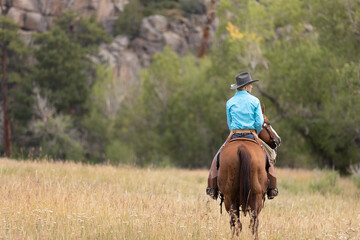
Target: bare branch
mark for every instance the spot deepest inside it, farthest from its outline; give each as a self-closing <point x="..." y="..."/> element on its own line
<point x="273" y="100"/>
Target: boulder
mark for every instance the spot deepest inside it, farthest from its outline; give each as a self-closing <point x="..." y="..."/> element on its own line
<point x="103" y="8"/>
<point x="176" y="42"/>
<point x="128" y="66"/>
<point x="180" y="27"/>
<point x="108" y="24"/>
<point x="35" y="22"/>
<point x="125" y="55"/>
<point x="113" y="51"/>
<point x="124" y="62"/>
<point x="119" y="5"/>
<point x="28" y="5"/>
<point x="153" y="27"/>
<point x="120" y="43"/>
<point x="195" y="37"/>
<point x="106" y="56"/>
<point x="145" y="50"/>
<point x="17" y="15"/>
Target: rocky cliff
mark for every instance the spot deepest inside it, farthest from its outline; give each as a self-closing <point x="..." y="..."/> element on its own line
<point x="125" y="55"/>
<point x="39" y="15"/>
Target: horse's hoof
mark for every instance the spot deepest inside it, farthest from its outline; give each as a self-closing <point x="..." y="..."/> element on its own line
<point x="213" y="193"/>
<point x="272" y="193"/>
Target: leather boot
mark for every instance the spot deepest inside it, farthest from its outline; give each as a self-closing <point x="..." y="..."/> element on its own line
<point x="272" y="188"/>
<point x="212" y="189"/>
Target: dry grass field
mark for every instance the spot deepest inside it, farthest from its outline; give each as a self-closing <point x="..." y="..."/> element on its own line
<point x="44" y="200"/>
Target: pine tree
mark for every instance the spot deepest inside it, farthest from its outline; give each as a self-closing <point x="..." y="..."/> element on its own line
<point x="64" y="71"/>
<point x="12" y="53"/>
<point x="60" y="71"/>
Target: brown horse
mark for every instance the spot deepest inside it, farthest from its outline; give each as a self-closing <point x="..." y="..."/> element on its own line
<point x="242" y="178"/>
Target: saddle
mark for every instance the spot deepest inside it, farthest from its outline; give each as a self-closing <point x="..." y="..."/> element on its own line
<point x="257" y="141"/>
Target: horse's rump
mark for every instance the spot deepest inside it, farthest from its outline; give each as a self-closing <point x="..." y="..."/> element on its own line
<point x="242" y="172"/>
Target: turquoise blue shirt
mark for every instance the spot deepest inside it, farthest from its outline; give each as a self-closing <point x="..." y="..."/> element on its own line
<point x="243" y="111"/>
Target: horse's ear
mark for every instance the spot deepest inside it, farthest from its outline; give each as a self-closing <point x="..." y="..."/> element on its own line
<point x="263" y="108"/>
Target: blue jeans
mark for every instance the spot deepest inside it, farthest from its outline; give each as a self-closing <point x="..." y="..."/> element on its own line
<point x="243" y="135"/>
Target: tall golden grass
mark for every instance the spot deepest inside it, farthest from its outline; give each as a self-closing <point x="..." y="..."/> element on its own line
<point x="54" y="200"/>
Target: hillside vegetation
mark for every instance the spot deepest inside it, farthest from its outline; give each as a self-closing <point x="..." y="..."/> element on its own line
<point x="305" y="54"/>
<point x="57" y="200"/>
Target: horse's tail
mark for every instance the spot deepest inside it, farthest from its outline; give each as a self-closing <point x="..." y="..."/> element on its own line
<point x="244" y="159"/>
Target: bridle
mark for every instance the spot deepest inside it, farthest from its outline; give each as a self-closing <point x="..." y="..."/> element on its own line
<point x="268" y="128"/>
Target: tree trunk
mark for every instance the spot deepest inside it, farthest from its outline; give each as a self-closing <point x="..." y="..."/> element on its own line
<point x="4" y="89"/>
<point x="206" y="32"/>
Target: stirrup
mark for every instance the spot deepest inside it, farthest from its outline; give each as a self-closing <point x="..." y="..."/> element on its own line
<point x="212" y="192"/>
<point x="274" y="192"/>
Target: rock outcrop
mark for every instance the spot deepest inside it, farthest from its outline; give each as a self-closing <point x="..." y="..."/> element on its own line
<point x="39" y="15"/>
<point x="125" y="55"/>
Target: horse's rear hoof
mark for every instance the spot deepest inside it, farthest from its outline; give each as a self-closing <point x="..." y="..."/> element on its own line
<point x="272" y="193"/>
<point x="213" y="193"/>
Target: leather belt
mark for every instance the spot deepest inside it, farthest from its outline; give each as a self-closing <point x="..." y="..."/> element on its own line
<point x="243" y="131"/>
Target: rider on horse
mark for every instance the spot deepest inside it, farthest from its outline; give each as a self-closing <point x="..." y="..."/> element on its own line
<point x="245" y="120"/>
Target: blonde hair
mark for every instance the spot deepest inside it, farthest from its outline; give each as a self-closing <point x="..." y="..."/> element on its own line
<point x="244" y="87"/>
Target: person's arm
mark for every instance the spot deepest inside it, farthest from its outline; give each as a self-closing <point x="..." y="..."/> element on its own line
<point x="259" y="119"/>
<point x="228" y="116"/>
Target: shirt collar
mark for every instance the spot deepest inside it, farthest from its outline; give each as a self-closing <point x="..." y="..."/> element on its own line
<point x="241" y="92"/>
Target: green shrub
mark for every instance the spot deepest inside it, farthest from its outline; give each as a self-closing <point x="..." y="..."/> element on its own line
<point x="356" y="179"/>
<point x="117" y="152"/>
<point x="193" y="6"/>
<point x="325" y="181"/>
<point x="355" y="174"/>
<point x="128" y="22"/>
<point x="294" y="186"/>
<point x="178" y="120"/>
<point x="58" y="138"/>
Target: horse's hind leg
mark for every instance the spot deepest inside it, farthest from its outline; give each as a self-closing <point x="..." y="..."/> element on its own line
<point x="232" y="222"/>
<point x="255" y="210"/>
<point x="234" y="218"/>
<point x="238" y="221"/>
<point x="254" y="224"/>
<point x="229" y="209"/>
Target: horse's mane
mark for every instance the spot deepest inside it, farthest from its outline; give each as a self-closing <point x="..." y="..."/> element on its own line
<point x="244" y="159"/>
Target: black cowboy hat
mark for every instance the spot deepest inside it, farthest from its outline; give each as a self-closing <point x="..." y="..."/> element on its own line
<point x="242" y="79"/>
